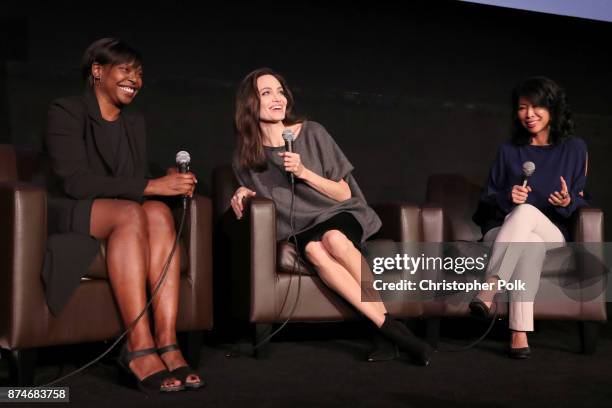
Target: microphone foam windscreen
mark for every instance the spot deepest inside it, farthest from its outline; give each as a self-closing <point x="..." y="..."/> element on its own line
<point x="288" y="135"/>
<point x="528" y="168"/>
<point x="183" y="157"/>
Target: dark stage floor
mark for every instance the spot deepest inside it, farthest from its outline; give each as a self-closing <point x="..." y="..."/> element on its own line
<point x="322" y="365"/>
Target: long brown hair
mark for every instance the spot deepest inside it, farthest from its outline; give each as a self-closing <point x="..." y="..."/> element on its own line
<point x="250" y="152"/>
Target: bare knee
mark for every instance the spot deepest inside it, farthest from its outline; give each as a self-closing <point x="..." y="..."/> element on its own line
<point x="159" y="217"/>
<point x="318" y="256"/>
<point x="336" y="242"/>
<point x="131" y="217"/>
<point x="316" y="253"/>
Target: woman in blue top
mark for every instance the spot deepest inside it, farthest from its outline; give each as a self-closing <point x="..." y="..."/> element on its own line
<point x="534" y="211"/>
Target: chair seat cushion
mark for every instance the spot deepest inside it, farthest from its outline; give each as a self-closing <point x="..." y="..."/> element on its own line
<point x="285" y="259"/>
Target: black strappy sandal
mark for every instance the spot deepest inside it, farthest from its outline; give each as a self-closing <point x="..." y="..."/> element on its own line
<point x="151" y="384"/>
<point x="182" y="373"/>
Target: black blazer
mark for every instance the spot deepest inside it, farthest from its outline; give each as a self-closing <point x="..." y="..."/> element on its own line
<point x="79" y="156"/>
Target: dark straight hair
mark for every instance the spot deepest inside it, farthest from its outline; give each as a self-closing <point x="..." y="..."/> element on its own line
<point x="108" y="51"/>
<point x="544" y="92"/>
<point x="250" y="151"/>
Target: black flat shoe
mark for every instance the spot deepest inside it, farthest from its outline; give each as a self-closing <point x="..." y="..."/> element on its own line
<point x="383" y="350"/>
<point x="183" y="373"/>
<point x="519" y="353"/>
<point x="479" y="309"/>
<point x="406" y="341"/>
<point x="151" y="384"/>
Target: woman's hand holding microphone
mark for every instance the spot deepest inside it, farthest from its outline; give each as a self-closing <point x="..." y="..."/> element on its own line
<point x="562" y="198"/>
<point x="172" y="184"/>
<point x="293" y="163"/>
<point x="519" y="194"/>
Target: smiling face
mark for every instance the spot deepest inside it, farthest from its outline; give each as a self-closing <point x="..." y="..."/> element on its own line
<point x="535" y="119"/>
<point x="272" y="99"/>
<point x="119" y="83"/>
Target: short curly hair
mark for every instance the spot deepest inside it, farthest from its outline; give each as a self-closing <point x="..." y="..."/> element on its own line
<point x="544" y="92"/>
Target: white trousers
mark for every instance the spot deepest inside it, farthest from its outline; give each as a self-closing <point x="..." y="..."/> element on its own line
<point x="528" y="225"/>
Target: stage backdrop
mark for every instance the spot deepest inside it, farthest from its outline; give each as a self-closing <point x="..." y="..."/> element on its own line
<point x="406" y="93"/>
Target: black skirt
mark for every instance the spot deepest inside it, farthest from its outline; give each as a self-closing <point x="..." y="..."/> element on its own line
<point x="344" y="222"/>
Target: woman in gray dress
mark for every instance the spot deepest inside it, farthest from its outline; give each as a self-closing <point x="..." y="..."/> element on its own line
<point x="331" y="218"/>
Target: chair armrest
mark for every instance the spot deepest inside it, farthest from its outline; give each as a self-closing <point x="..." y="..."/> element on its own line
<point x="23" y="238"/>
<point x="197" y="239"/>
<point x="261" y="217"/>
<point x="251" y="255"/>
<point x="400" y="222"/>
<point x="432" y="223"/>
<point x="587" y="225"/>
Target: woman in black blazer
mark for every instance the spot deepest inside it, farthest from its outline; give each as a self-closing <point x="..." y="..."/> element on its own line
<point x="98" y="157"/>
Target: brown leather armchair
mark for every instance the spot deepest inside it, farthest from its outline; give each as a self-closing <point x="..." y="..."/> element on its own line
<point x="91" y="314"/>
<point x="459" y="198"/>
<point x="261" y="284"/>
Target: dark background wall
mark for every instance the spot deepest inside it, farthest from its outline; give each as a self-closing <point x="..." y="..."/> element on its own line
<point x="406" y="91"/>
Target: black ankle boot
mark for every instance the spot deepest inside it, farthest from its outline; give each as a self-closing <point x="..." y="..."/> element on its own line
<point x="398" y="333"/>
<point x="383" y="350"/>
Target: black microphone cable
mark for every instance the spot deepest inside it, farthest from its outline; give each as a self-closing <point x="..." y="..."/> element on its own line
<point x="288" y="136"/>
<point x="478" y="340"/>
<point x="296" y="261"/>
<point x="528" y="169"/>
<point x="158" y="285"/>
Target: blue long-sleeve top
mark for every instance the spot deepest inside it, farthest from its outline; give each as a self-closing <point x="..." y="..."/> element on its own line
<point x="567" y="159"/>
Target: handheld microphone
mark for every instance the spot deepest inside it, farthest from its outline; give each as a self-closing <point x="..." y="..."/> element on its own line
<point x="528" y="170"/>
<point x="183" y="159"/>
<point x="289" y="137"/>
<point x="182" y="164"/>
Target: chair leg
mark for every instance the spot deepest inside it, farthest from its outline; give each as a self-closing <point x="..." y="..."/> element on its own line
<point x="589" y="332"/>
<point x="193" y="346"/>
<point x="21" y="366"/>
<point x="261" y="345"/>
<point x="432" y="331"/>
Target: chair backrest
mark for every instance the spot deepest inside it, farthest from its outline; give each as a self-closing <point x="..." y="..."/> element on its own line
<point x="18" y="163"/>
<point x="224" y="186"/>
<point x="459" y="198"/>
<point x="8" y="165"/>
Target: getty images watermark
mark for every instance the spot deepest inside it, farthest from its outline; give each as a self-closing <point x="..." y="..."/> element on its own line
<point x="440" y="271"/>
<point x="406" y="263"/>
